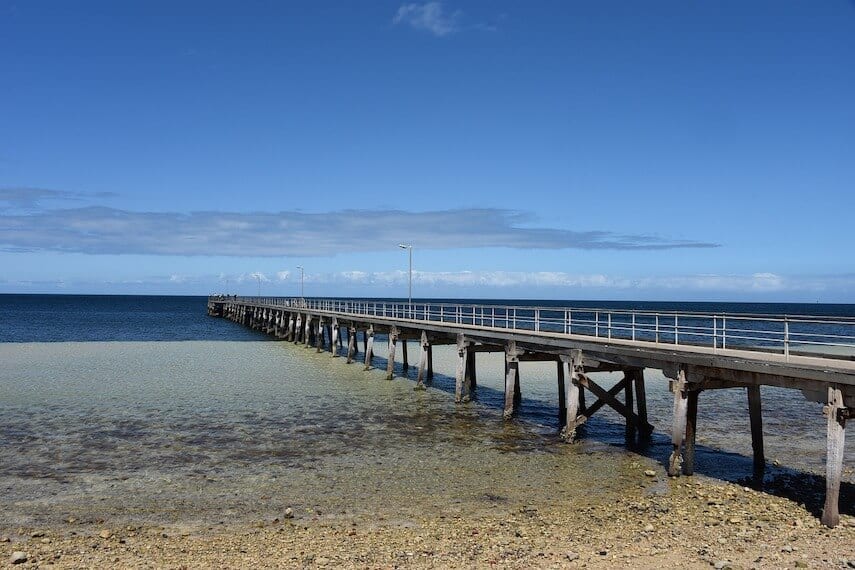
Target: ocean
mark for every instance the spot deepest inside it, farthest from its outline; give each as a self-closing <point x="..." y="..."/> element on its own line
<point x="144" y="409"/>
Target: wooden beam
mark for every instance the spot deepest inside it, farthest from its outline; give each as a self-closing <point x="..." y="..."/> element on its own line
<point x="471" y="372"/>
<point x="836" y="434"/>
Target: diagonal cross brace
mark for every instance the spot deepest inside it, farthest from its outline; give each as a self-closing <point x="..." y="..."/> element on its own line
<point x="608" y="397"/>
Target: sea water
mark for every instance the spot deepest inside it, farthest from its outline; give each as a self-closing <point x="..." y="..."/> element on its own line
<point x="143" y="409"/>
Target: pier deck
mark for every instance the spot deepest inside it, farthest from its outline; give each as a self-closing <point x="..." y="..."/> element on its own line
<point x="695" y="351"/>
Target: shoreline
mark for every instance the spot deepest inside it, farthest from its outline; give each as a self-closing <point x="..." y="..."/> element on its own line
<point x="688" y="523"/>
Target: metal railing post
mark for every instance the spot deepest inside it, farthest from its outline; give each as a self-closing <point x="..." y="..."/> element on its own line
<point x="787" y="339"/>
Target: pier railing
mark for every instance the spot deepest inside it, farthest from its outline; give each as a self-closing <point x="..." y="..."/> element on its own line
<point x="827" y="337"/>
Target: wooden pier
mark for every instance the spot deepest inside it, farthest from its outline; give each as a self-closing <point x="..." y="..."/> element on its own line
<point x="697" y="352"/>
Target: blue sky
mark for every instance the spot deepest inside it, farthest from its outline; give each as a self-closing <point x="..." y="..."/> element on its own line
<point x="571" y="150"/>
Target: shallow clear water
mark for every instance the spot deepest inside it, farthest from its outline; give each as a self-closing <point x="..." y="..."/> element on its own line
<point x="203" y="432"/>
<point x="225" y="426"/>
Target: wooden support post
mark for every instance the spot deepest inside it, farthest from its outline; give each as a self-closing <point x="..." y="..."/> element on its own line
<point x="351" y="344"/>
<point x="691" y="432"/>
<point x="299" y="326"/>
<point x="423" y="358"/>
<point x="678" y="429"/>
<point x="641" y="402"/>
<point x="430" y="363"/>
<point x="755" y="414"/>
<point x="308" y="330"/>
<point x="836" y="414"/>
<point x="572" y="417"/>
<point x="404" y="357"/>
<point x="461" y="387"/>
<point x="471" y="371"/>
<point x="390" y="363"/>
<point x="334" y="338"/>
<point x="319" y="335"/>
<point x="368" y="335"/>
<point x="512" y="378"/>
<point x="627" y="395"/>
<point x="562" y="398"/>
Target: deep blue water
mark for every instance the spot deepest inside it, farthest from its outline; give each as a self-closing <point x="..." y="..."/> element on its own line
<point x="63" y="318"/>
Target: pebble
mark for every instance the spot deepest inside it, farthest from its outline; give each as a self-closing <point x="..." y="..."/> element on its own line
<point x="5" y="539"/>
<point x="650" y="473"/>
<point x="105" y="534"/>
<point x="801" y="564"/>
<point x="721" y="565"/>
<point x="289" y="513"/>
<point x="18" y="557"/>
<point x="648" y="528"/>
<point x="571" y="556"/>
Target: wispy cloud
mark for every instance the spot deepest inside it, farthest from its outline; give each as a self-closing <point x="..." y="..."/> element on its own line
<point x="26" y="198"/>
<point x="101" y="230"/>
<point x="430" y="17"/>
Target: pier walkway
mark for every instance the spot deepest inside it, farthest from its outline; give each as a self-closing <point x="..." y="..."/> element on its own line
<point x="696" y="351"/>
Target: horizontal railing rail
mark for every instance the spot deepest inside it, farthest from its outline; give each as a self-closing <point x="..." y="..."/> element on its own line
<point x="827" y="337"/>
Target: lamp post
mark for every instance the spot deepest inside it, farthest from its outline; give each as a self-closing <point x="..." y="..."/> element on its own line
<point x="409" y="249"/>
<point x="300" y="267"/>
<point x="258" y="277"/>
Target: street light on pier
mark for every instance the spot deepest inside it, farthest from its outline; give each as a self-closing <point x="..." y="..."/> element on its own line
<point x="409" y="249"/>
<point x="300" y="267"/>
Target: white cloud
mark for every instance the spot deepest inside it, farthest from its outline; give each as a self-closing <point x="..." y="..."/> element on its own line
<point x="430" y="17"/>
<point x="283" y="275"/>
<point x="100" y="230"/>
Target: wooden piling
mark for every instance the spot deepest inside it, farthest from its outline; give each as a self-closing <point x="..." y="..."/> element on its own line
<point x="678" y="429"/>
<point x="423" y="358"/>
<point x="756" y="416"/>
<point x="641" y="402"/>
<point x="836" y="415"/>
<point x="691" y="432"/>
<point x="334" y="338"/>
<point x="628" y="402"/>
<point x="351" y="344"/>
<point x="461" y="386"/>
<point x="562" y="397"/>
<point x="369" y="346"/>
<point x="430" y="363"/>
<point x="390" y="363"/>
<point x="572" y="417"/>
<point x="405" y="364"/>
<point x="319" y="335"/>
<point x="471" y="372"/>
<point x="512" y="379"/>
